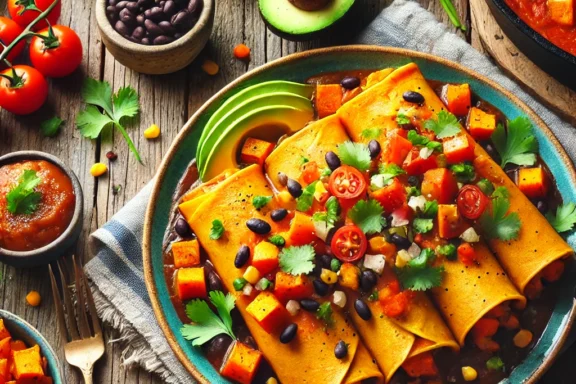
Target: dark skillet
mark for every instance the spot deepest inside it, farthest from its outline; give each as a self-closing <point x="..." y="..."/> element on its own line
<point x="555" y="61"/>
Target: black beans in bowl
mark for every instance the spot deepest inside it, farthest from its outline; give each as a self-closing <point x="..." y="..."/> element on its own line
<point x="153" y="22"/>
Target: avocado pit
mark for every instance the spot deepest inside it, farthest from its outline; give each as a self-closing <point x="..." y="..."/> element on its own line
<point x="310" y="5"/>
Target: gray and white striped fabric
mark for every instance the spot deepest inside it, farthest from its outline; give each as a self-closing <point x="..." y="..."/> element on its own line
<point x="116" y="271"/>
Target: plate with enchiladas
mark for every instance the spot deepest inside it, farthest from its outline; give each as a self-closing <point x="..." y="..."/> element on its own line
<point x="363" y="215"/>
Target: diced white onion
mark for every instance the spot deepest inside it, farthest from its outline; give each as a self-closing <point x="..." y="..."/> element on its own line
<point x="293" y="307"/>
<point x="402" y="258"/>
<point x="470" y="236"/>
<point x="460" y="185"/>
<point x="339" y="299"/>
<point x="321" y="229"/>
<point x="426" y="152"/>
<point x="398" y="221"/>
<point x="260" y="284"/>
<point x="377" y="181"/>
<point x="247" y="290"/>
<point x="417" y="202"/>
<point x="414" y="250"/>
<point x="375" y="263"/>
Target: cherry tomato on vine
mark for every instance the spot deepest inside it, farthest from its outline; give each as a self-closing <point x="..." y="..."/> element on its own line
<point x="23" y="12"/>
<point x="23" y="89"/>
<point x="57" y="55"/>
<point x="349" y="243"/>
<point x="9" y="31"/>
<point x="471" y="202"/>
<point x="347" y="183"/>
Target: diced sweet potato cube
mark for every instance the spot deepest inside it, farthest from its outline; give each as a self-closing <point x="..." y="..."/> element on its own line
<point x="3" y="330"/>
<point x="449" y="223"/>
<point x="191" y="283"/>
<point x="186" y="253"/>
<point x="561" y="11"/>
<point x="290" y="287"/>
<point x="379" y="245"/>
<point x="301" y="230"/>
<point x="481" y="125"/>
<point x="328" y="99"/>
<point x="267" y="310"/>
<point x="457" y="98"/>
<point x="391" y="197"/>
<point x="3" y="368"/>
<point x="396" y="148"/>
<point x="241" y="363"/>
<point x="265" y="257"/>
<point x="439" y="184"/>
<point x="533" y="182"/>
<point x="255" y="151"/>
<point x="28" y="363"/>
<point x="5" y="347"/>
<point x="17" y="345"/>
<point x="349" y="276"/>
<point x="458" y="149"/>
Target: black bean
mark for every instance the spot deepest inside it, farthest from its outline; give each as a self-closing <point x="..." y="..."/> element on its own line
<point x="294" y="188"/>
<point x="288" y="333"/>
<point x="374" y="148"/>
<point x="399" y="241"/>
<point x="157" y="14"/>
<point x="153" y="28"/>
<point x="414" y="181"/>
<point x="490" y="149"/>
<point x="341" y="350"/>
<point x="542" y="206"/>
<point x="121" y="5"/>
<point x="324" y="261"/>
<point x="278" y="214"/>
<point x="167" y="27"/>
<point x="350" y="82"/>
<point x="362" y="310"/>
<point x="368" y="280"/>
<point x="218" y="346"/>
<point x="162" y="3"/>
<point x="127" y="17"/>
<point x="258" y="226"/>
<point x="309" y="305"/>
<point x="182" y="228"/>
<point x="195" y="6"/>
<point x="111" y="155"/>
<point x="413" y="97"/>
<point x="122" y="28"/>
<point x="145" y="41"/>
<point x="214" y="282"/>
<point x="111" y="10"/>
<point x="332" y="160"/>
<point x="133" y="7"/>
<point x="170" y="8"/>
<point x="321" y="288"/>
<point x="242" y="256"/>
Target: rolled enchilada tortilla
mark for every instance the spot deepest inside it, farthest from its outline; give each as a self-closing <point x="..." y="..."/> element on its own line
<point x="309" y="360"/>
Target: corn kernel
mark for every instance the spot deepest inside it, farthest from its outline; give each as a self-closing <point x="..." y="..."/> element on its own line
<point x="272" y="380"/>
<point x="33" y="298"/>
<point x="469" y="373"/>
<point x="252" y="275"/>
<point x="152" y="132"/>
<point x="328" y="276"/>
<point x="98" y="169"/>
<point x="522" y="338"/>
<point x="210" y="67"/>
<point x="320" y="192"/>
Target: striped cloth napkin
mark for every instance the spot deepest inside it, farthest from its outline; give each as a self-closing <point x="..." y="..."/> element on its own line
<point x="116" y="271"/>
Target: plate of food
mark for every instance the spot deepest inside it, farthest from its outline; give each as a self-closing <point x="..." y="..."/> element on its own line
<point x="363" y="214"/>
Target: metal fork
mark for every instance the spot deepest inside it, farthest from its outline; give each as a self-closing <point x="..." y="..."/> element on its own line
<point x="84" y="346"/>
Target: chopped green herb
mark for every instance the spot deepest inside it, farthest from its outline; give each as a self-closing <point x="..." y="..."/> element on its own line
<point x="325" y="314"/>
<point x="518" y="145"/>
<point x="51" y="127"/>
<point x="417" y="139"/>
<point x="421" y="225"/>
<point x="331" y="215"/>
<point x="485" y="186"/>
<point x="564" y="219"/>
<point x="430" y="209"/>
<point x="355" y="155"/>
<point x="297" y="260"/>
<point x="303" y="160"/>
<point x="446" y="125"/>
<point x="22" y="199"/>
<point x="206" y="324"/>
<point x="448" y="251"/>
<point x="335" y="265"/>
<point x="497" y="223"/>
<point x="325" y="172"/>
<point x="402" y="119"/>
<point x="217" y="230"/>
<point x="260" y="202"/>
<point x="373" y="296"/>
<point x="385" y="175"/>
<point x="277" y="240"/>
<point x="495" y="364"/>
<point x="419" y="275"/>
<point x="370" y="133"/>
<point x="463" y="172"/>
<point x="263" y="284"/>
<point x="412" y="191"/>
<point x="239" y="283"/>
<point x="304" y="202"/>
<point x="368" y="216"/>
<point x="501" y="192"/>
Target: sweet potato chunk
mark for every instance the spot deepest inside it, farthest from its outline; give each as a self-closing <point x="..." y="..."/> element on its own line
<point x="28" y="363"/>
<point x="255" y="151"/>
<point x="3" y="331"/>
<point x="191" y="283"/>
<point x="561" y="11"/>
<point x="481" y="125"/>
<point x="533" y="182"/>
<point x="458" y="98"/>
<point x="5" y="348"/>
<point x="439" y="184"/>
<point x="301" y="230"/>
<point x="268" y="311"/>
<point x="265" y="257"/>
<point x="186" y="253"/>
<point x="290" y="287"/>
<point x="458" y="149"/>
<point x="241" y="363"/>
<point x="449" y="223"/>
<point x="328" y="99"/>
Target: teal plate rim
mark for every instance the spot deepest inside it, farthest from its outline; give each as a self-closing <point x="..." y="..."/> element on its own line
<point x="298" y="67"/>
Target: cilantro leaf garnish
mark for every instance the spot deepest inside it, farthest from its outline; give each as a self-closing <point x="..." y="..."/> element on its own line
<point x="518" y="145"/>
<point x="22" y="199"/>
<point x="421" y="225"/>
<point x="430" y="209"/>
<point x="355" y="155"/>
<point x="501" y="192"/>
<point x="463" y="172"/>
<point x="412" y="191"/>
<point x="304" y="202"/>
<point x="385" y="175"/>
<point x="325" y="314"/>
<point x="206" y="324"/>
<point x="51" y="127"/>
<point x="448" y="251"/>
<point x="260" y="202"/>
<point x="446" y="125"/>
<point x="497" y="223"/>
<point x="304" y="160"/>
<point x="564" y="219"/>
<point x="495" y="364"/>
<point x="367" y="215"/>
<point x="370" y="133"/>
<point x="417" y="139"/>
<point x="331" y="215"/>
<point x="104" y="109"/>
<point x="402" y="119"/>
<point x="417" y="277"/>
<point x="297" y="260"/>
<point x="277" y="240"/>
<point x="217" y="230"/>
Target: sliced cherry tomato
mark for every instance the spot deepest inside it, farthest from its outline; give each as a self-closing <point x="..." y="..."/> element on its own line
<point x="22" y="89"/>
<point x="23" y="12"/>
<point x="9" y="31"/>
<point x="57" y="55"/>
<point x="347" y="183"/>
<point x="349" y="243"/>
<point x="471" y="202"/>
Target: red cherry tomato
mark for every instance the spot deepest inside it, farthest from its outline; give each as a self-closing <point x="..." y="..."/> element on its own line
<point x="466" y="254"/>
<point x="9" y="31"/>
<point x="25" y="94"/>
<point x="347" y="183"/>
<point x="59" y="55"/>
<point x="349" y="243"/>
<point x="24" y="17"/>
<point x="471" y="202"/>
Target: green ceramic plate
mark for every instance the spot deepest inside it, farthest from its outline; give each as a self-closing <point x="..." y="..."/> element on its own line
<point x="299" y="67"/>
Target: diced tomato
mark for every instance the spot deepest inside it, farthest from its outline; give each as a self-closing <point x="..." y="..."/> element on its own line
<point x="391" y="197"/>
<point x="310" y="172"/>
<point x="482" y="332"/>
<point x="396" y="305"/>
<point x="458" y="149"/>
<point x="439" y="184"/>
<point x="553" y="271"/>
<point x="534" y="287"/>
<point x="416" y="165"/>
<point x="467" y="254"/>
<point x="396" y="148"/>
<point x="420" y="365"/>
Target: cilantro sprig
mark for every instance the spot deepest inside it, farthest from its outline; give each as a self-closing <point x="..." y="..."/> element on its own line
<point x="326" y="314"/>
<point x="304" y="202"/>
<point x="516" y="145"/>
<point x="368" y="216"/>
<point x="260" y="202"/>
<point x="564" y="219"/>
<point x="297" y="260"/>
<point x="370" y="133"/>
<point x="463" y="172"/>
<point x="421" y="140"/>
<point x="445" y="125"/>
<point x="332" y="214"/>
<point x="498" y="223"/>
<point x="104" y="109"/>
<point x="217" y="230"/>
<point x="207" y="324"/>
<point x="23" y="199"/>
<point x="51" y="127"/>
<point x="385" y="175"/>
<point x="355" y="155"/>
<point x="419" y="274"/>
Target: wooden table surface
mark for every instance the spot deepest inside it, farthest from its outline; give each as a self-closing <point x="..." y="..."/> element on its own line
<point x="167" y="101"/>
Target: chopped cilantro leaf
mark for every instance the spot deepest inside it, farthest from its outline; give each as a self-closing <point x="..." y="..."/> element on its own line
<point x="421" y="140"/>
<point x="412" y="191"/>
<point x="420" y="279"/>
<point x="355" y="155"/>
<point x="564" y="219"/>
<point x="51" y="127"/>
<point x="402" y="119"/>
<point x="373" y="296"/>
<point x="485" y="186"/>
<point x="304" y="160"/>
<point x="463" y="172"/>
<point x="217" y="230"/>
<point x="501" y="192"/>
<point x="385" y="175"/>
<point x="430" y="209"/>
<point x="497" y="223"/>
<point x="448" y="251"/>
<point x="446" y="125"/>
<point x="331" y="215"/>
<point x="370" y="133"/>
<point x="495" y="364"/>
<point x="297" y="260"/>
<point x="325" y="314"/>
<point x="518" y="145"/>
<point x="304" y="202"/>
<point x="22" y="199"/>
<point x="367" y="215"/>
<point x="277" y="240"/>
<point x="421" y="225"/>
<point x="325" y="172"/>
<point x="260" y="201"/>
<point x="206" y="324"/>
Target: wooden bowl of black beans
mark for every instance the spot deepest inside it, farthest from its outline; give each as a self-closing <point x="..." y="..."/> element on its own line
<point x="155" y="36"/>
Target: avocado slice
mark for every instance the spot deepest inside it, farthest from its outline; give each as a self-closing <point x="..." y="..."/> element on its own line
<point x="264" y="88"/>
<point x="269" y="120"/>
<point x="292" y="23"/>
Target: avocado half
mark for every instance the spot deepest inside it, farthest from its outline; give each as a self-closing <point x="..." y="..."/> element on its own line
<point x="292" y="23"/>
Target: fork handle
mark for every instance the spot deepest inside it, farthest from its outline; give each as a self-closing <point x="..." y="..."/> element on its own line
<point x="87" y="373"/>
